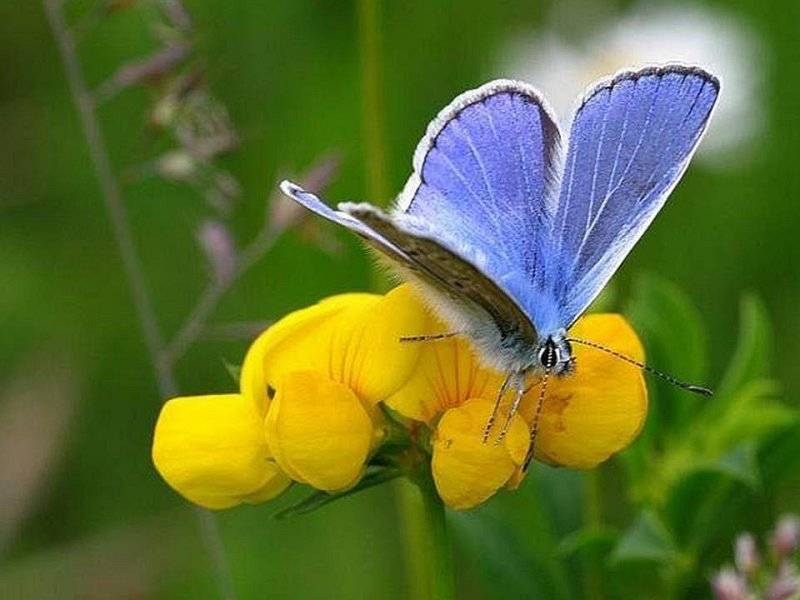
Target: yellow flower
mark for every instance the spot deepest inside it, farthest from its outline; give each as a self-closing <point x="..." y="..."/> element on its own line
<point x="211" y="450"/>
<point x="329" y="365"/>
<point x="467" y="471"/>
<point x="307" y="410"/>
<point x="600" y="409"/>
<point x="586" y="417"/>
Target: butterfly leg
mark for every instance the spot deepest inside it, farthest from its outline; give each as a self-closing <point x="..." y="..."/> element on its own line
<point x="488" y="428"/>
<point x="430" y="338"/>
<point x="520" y="385"/>
<point x="535" y="427"/>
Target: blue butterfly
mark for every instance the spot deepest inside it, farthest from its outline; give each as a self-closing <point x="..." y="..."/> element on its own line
<point x="510" y="238"/>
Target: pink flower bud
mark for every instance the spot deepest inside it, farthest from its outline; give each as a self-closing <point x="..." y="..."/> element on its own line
<point x="729" y="585"/>
<point x="786" y="537"/>
<point x="786" y="584"/>
<point x="218" y="245"/>
<point x="746" y="554"/>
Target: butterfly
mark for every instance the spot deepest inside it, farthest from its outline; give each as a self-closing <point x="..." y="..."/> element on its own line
<point x="511" y="238"/>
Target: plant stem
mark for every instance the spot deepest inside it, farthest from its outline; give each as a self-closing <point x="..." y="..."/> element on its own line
<point x="429" y="556"/>
<point x="372" y="121"/>
<point x="593" y="580"/>
<point x="195" y="322"/>
<point x="132" y="266"/>
<point x="428" y="553"/>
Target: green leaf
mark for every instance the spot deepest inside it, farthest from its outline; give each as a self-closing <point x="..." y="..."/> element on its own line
<point x="753" y="413"/>
<point x="318" y="499"/>
<point x="646" y="540"/>
<point x="780" y="456"/>
<point x="753" y="355"/>
<point x="495" y="552"/>
<point x="740" y="464"/>
<point x="675" y="340"/>
<point x="597" y="540"/>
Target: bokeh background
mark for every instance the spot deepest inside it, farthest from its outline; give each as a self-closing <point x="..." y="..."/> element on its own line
<point x="82" y="511"/>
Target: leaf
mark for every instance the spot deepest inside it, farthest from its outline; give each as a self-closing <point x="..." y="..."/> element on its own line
<point x="494" y="551"/>
<point x="597" y="540"/>
<point x="753" y="413"/>
<point x="675" y="341"/>
<point x="647" y="539"/>
<point x="740" y="464"/>
<point x="513" y="538"/>
<point x="753" y="355"/>
<point x="318" y="499"/>
<point x="780" y="456"/>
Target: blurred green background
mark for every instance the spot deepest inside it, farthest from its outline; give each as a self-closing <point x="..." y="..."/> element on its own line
<point x="82" y="511"/>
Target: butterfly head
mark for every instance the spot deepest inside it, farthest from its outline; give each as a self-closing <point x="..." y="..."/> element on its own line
<point x="555" y="355"/>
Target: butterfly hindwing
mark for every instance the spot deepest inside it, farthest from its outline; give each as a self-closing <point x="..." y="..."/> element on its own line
<point x="630" y="142"/>
<point x="448" y="271"/>
<point x="315" y="205"/>
<point x="443" y="270"/>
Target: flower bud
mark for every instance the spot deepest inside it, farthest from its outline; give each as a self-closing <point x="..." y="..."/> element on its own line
<point x="746" y="554"/>
<point x="786" y="584"/>
<point x="219" y="248"/>
<point x="729" y="585"/>
<point x="177" y="165"/>
<point x="786" y="537"/>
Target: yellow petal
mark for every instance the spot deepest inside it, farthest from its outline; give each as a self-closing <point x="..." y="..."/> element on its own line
<point x="447" y="375"/>
<point x="286" y="345"/>
<point x="211" y="450"/>
<point x="467" y="471"/>
<point x="375" y="363"/>
<point x="598" y="409"/>
<point x="318" y="431"/>
<point x="352" y="339"/>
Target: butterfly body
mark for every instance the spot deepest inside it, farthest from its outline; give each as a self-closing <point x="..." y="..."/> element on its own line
<point x="510" y="238"/>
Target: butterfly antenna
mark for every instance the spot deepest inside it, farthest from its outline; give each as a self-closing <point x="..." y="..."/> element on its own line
<point x="535" y="428"/>
<point x="689" y="387"/>
<point x="492" y="417"/>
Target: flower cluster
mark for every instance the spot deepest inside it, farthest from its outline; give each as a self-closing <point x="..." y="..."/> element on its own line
<point x="776" y="578"/>
<point x="331" y="390"/>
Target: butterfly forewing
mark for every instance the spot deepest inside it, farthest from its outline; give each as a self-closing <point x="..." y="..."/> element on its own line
<point x="483" y="170"/>
<point x="629" y="144"/>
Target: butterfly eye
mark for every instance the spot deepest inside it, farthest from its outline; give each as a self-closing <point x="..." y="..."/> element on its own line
<point x="549" y="355"/>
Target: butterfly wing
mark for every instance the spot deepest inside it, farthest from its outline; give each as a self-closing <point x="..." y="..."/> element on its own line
<point x="315" y="205"/>
<point x="460" y="274"/>
<point x="630" y="142"/>
<point x="410" y="248"/>
<point x="483" y="171"/>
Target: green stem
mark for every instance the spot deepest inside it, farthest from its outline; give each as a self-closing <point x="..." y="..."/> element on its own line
<point x="372" y="121"/>
<point x="593" y="577"/>
<point x="429" y="556"/>
<point x="428" y="552"/>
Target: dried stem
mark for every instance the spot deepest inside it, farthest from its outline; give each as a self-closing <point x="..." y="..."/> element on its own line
<point x="134" y="272"/>
<point x="194" y="324"/>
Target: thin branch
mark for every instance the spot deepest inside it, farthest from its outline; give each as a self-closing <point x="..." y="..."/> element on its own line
<point x="194" y="324"/>
<point x="134" y="272"/>
<point x="239" y="330"/>
<point x="315" y="179"/>
<point x="110" y="192"/>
